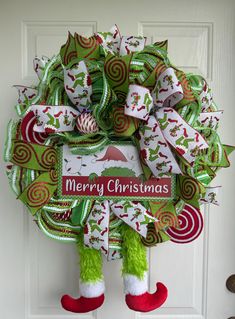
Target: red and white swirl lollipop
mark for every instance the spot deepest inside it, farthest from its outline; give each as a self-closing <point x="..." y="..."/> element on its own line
<point x="27" y="132"/>
<point x="191" y="225"/>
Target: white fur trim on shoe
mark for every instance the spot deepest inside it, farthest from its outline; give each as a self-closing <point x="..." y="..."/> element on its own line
<point x="91" y="290"/>
<point x="135" y="286"/>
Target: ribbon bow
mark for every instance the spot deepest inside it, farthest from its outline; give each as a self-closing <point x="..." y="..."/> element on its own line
<point x="165" y="127"/>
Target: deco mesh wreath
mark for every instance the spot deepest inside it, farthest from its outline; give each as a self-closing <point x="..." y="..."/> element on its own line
<point x="115" y="150"/>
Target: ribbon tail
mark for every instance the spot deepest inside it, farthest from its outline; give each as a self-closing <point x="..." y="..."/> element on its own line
<point x="210" y="197"/>
<point x="186" y="141"/>
<point x="133" y="214"/>
<point x="155" y="151"/>
<point x="96" y="230"/>
<point x="168" y="90"/>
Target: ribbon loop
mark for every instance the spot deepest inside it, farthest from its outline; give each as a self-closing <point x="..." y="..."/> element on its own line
<point x="77" y="83"/>
<point x="113" y="42"/>
<point x="117" y="71"/>
<point x="210" y="120"/>
<point x="131" y="44"/>
<point x="205" y="97"/>
<point x="210" y="197"/>
<point x="155" y="151"/>
<point x="52" y="119"/>
<point x="168" y="90"/>
<point x="139" y="102"/>
<point x="110" y="40"/>
<point x="183" y="138"/>
<point x="39" y="158"/>
<point x="26" y="94"/>
<point x="39" y="65"/>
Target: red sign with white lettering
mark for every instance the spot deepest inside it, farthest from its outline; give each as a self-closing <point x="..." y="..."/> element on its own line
<point x="113" y="173"/>
<point x="116" y="187"/>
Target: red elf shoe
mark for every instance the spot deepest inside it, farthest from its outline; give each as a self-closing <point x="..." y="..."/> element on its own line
<point x="82" y="304"/>
<point x="146" y="301"/>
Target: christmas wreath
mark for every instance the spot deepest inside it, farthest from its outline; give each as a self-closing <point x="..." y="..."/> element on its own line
<point x="115" y="149"/>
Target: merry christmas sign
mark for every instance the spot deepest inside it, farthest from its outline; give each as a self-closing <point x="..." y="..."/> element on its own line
<point x="114" y="172"/>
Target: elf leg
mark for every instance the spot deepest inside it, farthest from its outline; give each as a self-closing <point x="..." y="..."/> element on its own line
<point x="91" y="282"/>
<point x="135" y="268"/>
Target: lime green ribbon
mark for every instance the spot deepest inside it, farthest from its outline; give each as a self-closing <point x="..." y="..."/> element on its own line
<point x="33" y="156"/>
<point x="39" y="192"/>
<point x="78" y="46"/>
<point x="37" y="158"/>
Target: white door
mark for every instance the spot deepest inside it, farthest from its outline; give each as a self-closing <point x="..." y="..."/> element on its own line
<point x="34" y="270"/>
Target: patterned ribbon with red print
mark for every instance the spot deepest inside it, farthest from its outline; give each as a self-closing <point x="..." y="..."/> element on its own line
<point x="96" y="231"/>
<point x="165" y="127"/>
